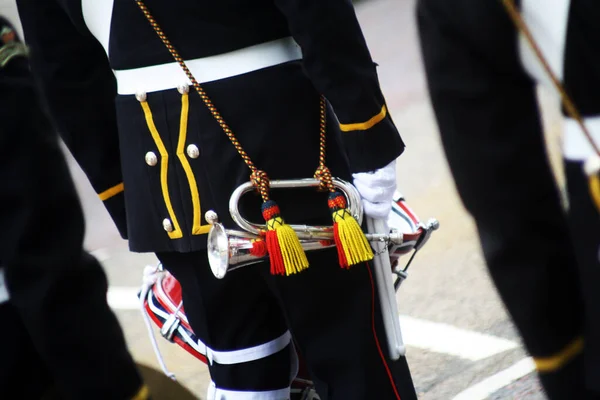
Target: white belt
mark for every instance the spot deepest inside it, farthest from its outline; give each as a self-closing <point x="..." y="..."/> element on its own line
<point x="208" y="69"/>
<point x="575" y="144"/>
<point x="249" y="354"/>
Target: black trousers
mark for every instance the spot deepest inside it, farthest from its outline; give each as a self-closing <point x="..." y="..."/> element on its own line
<point x="332" y="314"/>
<point x="56" y="329"/>
<point x="488" y="117"/>
<point x="584" y="220"/>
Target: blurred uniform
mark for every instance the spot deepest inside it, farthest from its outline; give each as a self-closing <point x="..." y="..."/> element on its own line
<point x="58" y="334"/>
<point x="159" y="161"/>
<point x="482" y="78"/>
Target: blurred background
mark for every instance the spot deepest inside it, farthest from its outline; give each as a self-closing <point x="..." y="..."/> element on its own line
<point x="461" y="344"/>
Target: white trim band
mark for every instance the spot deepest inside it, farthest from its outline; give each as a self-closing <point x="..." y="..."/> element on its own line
<point x="575" y="144"/>
<point x="250" y="354"/>
<point x="208" y="69"/>
<point x="4" y="296"/>
<point x="214" y="393"/>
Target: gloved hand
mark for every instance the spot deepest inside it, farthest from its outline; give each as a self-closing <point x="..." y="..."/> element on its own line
<point x="377" y="190"/>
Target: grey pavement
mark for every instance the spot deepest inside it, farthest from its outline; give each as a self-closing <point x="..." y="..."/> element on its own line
<point x="448" y="282"/>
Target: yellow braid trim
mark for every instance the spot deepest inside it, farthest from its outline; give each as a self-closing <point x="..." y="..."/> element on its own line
<point x="594" y="184"/>
<point x="560" y="359"/>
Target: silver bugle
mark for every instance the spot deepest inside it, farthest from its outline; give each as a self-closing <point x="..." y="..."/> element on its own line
<point x="230" y="249"/>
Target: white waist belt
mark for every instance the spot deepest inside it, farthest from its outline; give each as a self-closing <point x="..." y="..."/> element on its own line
<point x="208" y="69"/>
<point x="575" y="144"/>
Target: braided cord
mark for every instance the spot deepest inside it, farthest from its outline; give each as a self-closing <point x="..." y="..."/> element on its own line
<point x="259" y="178"/>
<point x="323" y="173"/>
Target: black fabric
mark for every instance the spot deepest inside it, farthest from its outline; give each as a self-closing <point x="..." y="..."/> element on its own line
<point x="58" y="321"/>
<point x="585" y="227"/>
<point x="568" y="382"/>
<point x="274" y="111"/>
<point x="330" y="311"/>
<point x="380" y="140"/>
<point x="582" y="56"/>
<point x="199" y="28"/>
<point x="22" y="370"/>
<point x="582" y="81"/>
<point x="490" y="127"/>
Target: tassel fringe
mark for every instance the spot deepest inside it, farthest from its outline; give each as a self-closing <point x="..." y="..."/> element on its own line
<point x="352" y="244"/>
<point x="285" y="250"/>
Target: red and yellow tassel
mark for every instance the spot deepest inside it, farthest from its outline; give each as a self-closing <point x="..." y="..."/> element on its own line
<point x="353" y="247"/>
<point x="285" y="251"/>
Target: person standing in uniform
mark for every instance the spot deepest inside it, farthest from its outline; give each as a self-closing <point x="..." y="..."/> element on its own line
<point x="59" y="338"/>
<point x="160" y="156"/>
<point x="482" y="79"/>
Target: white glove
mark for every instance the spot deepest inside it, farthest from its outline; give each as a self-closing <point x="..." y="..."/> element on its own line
<point x="377" y="190"/>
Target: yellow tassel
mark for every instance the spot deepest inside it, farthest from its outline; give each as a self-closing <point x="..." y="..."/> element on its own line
<point x="353" y="247"/>
<point x="294" y="257"/>
<point x="349" y="235"/>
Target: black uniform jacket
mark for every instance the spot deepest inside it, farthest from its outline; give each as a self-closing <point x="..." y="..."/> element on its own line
<point x="273" y="111"/>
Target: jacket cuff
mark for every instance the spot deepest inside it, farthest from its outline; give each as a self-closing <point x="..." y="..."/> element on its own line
<point x="373" y="147"/>
<point x="114" y="201"/>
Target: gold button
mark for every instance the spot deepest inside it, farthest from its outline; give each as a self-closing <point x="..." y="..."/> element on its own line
<point x="141" y="96"/>
<point x="193" y="151"/>
<point x="211" y="217"/>
<point x="151" y="159"/>
<point x="183" y="88"/>
<point x="167" y="225"/>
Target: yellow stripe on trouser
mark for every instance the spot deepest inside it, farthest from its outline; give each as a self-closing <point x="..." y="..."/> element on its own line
<point x="594" y="182"/>
<point x="143" y="394"/>
<point x="164" y="168"/>
<point x="560" y="359"/>
<point x="197" y="228"/>
<point x="363" y="126"/>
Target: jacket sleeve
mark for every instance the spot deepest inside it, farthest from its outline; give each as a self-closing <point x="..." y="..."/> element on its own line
<point x="338" y="62"/>
<point x="78" y="88"/>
